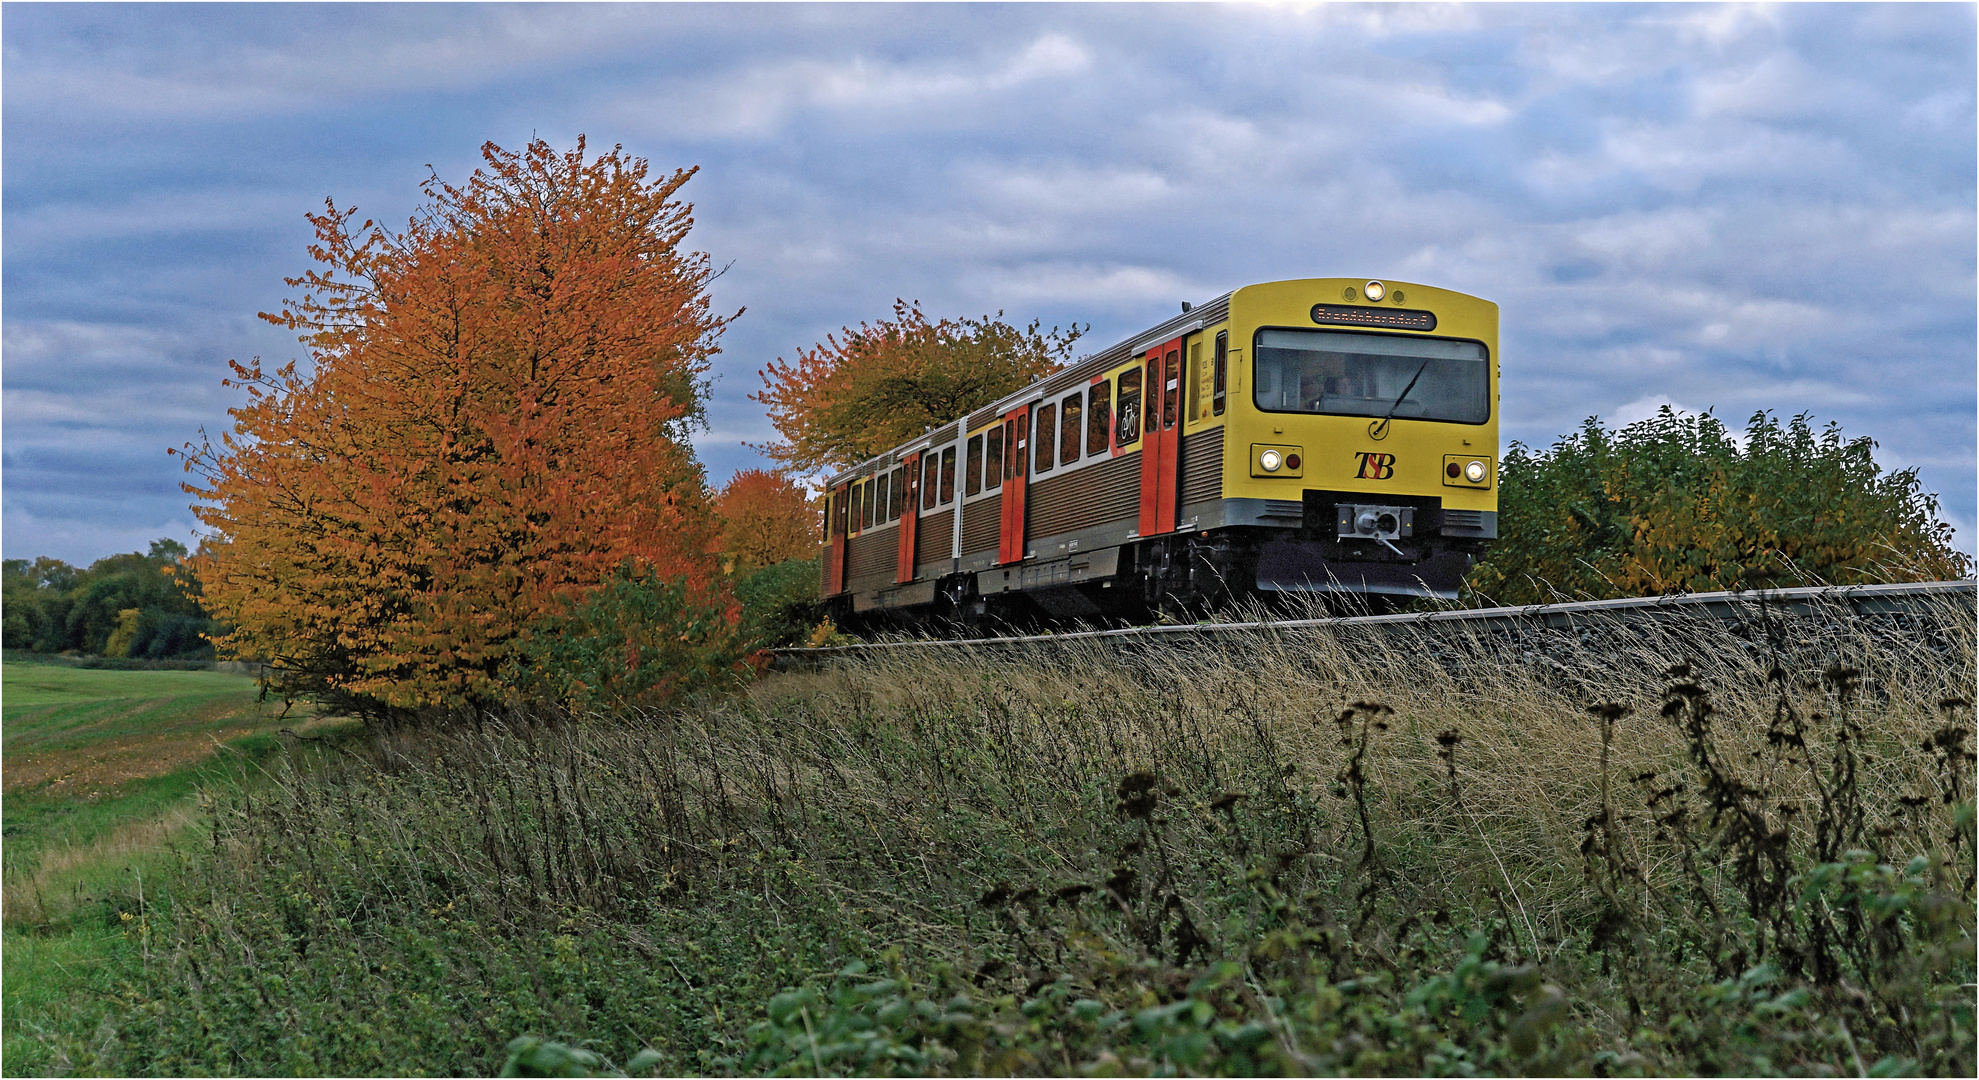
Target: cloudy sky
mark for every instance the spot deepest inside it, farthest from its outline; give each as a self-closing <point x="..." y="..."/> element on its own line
<point x="1731" y="208"/>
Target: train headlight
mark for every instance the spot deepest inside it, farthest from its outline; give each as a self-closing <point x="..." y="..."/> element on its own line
<point x="1376" y="290"/>
<point x="1272" y="460"/>
<point x="1464" y="470"/>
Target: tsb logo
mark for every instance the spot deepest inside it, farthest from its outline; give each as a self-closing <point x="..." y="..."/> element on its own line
<point x="1375" y="466"/>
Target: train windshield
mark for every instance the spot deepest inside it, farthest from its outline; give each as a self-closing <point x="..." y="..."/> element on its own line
<point x="1344" y="374"/>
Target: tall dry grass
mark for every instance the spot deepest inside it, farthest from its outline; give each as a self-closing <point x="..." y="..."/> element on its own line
<point x="1527" y="776"/>
<point x="68" y="878"/>
<point x="649" y="876"/>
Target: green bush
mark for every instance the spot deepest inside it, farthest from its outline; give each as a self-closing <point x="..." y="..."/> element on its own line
<point x="642" y="640"/>
<point x="1483" y="1016"/>
<point x="1675" y="504"/>
<point x="106" y="663"/>
<point x="780" y="605"/>
<point x="531" y="1056"/>
<point x="638" y="640"/>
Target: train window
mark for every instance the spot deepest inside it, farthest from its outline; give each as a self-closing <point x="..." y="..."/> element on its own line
<point x="1129" y="427"/>
<point x="948" y="475"/>
<point x="1152" y="393"/>
<point x="875" y="496"/>
<point x="858" y="514"/>
<point x="838" y="513"/>
<point x="1043" y="443"/>
<point x="1222" y="375"/>
<point x="993" y="458"/>
<point x="929" y="486"/>
<point x="1170" y="388"/>
<point x="894" y="493"/>
<point x="885" y="497"/>
<point x="1344" y="374"/>
<point x="973" y="482"/>
<point x="1070" y="412"/>
<point x="1099" y="414"/>
<point x="1195" y="374"/>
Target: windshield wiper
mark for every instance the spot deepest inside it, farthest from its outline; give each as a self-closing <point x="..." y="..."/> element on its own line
<point x="1380" y="430"/>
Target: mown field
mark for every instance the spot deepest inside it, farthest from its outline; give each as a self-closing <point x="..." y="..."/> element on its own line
<point x="1667" y="849"/>
<point x="102" y="771"/>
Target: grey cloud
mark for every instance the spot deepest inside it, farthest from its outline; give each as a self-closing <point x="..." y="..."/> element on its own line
<point x="82" y="538"/>
<point x="62" y="225"/>
<point x="1729" y="207"/>
<point x="764" y="100"/>
<point x="249" y="61"/>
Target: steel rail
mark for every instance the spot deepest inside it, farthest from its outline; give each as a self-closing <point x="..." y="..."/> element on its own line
<point x="1857" y="599"/>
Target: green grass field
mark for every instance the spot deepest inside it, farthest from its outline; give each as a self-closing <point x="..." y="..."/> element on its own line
<point x="101" y="774"/>
<point x="27" y="683"/>
<point x="87" y="752"/>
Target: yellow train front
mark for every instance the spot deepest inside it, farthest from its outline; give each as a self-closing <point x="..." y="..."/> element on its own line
<point x="1320" y="435"/>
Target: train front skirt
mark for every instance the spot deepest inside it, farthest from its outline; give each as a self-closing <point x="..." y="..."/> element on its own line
<point x="1301" y="566"/>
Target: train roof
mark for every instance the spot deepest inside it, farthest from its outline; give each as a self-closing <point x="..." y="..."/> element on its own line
<point x="1076" y="373"/>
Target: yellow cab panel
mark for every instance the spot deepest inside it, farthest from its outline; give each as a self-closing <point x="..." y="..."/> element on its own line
<point x="1355" y="438"/>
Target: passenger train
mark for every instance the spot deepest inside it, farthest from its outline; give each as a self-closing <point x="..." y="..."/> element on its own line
<point x="1314" y="436"/>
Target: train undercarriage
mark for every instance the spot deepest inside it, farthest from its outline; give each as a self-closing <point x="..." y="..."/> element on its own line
<point x="1186" y="577"/>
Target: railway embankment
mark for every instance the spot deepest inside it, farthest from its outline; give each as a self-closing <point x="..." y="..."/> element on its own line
<point x="1683" y="844"/>
<point x="1792" y="625"/>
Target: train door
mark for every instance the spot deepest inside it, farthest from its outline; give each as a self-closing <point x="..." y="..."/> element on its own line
<point x="1016" y="461"/>
<point x="910" y="516"/>
<point x="1161" y="439"/>
<point x="836" y="522"/>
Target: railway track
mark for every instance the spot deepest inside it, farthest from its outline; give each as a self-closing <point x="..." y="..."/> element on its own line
<point x="1827" y="600"/>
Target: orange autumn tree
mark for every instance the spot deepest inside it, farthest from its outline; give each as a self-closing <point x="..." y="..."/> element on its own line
<point x="492" y="425"/>
<point x="864" y="391"/>
<point x="766" y="518"/>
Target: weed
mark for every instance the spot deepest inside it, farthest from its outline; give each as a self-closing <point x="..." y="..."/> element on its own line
<point x="1268" y="856"/>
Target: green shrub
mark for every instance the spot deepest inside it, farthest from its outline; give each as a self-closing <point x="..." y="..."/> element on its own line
<point x="1674" y="504"/>
<point x="638" y="640"/>
<point x="780" y="605"/>
<point x="531" y="1056"/>
<point x="1483" y="1016"/>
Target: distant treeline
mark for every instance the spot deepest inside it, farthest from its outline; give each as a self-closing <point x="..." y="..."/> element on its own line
<point x="140" y="606"/>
